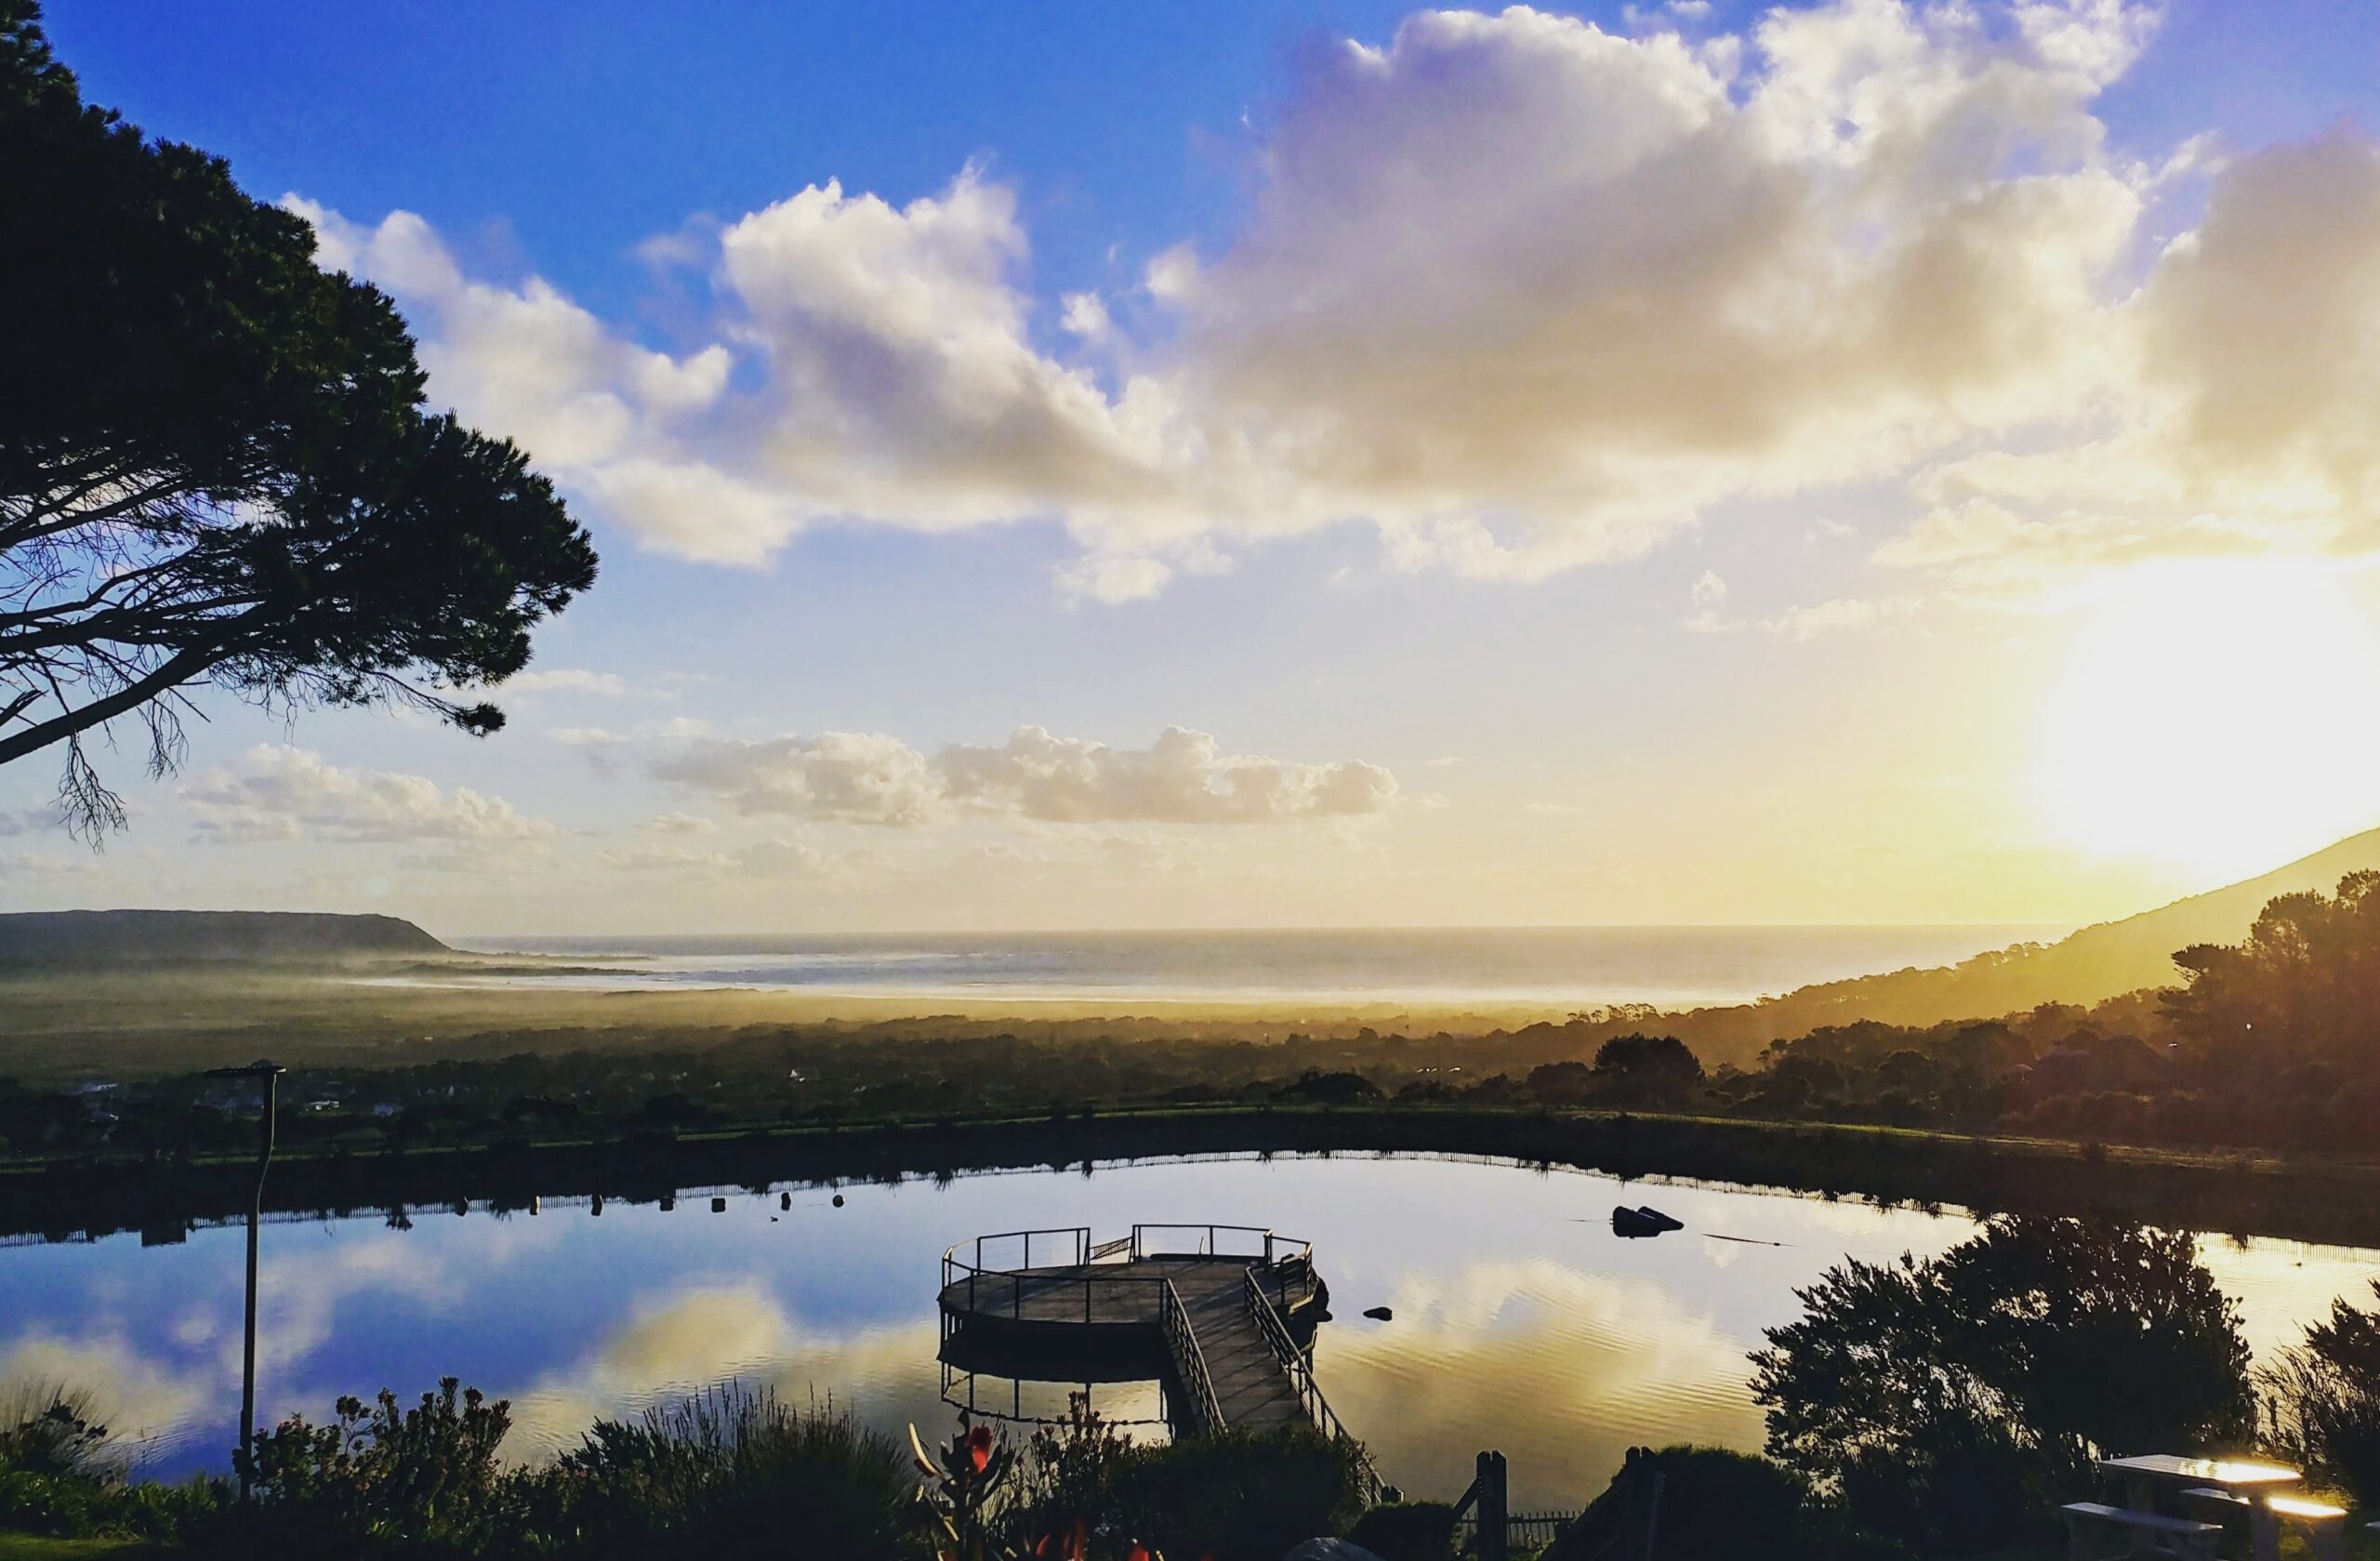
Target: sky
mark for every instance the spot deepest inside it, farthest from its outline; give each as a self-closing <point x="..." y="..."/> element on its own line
<point x="1082" y="465"/>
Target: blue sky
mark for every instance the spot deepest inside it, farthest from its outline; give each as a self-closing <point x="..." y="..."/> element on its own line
<point x="1479" y="493"/>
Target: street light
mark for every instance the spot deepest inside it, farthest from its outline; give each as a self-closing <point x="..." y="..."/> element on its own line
<point x="269" y="1074"/>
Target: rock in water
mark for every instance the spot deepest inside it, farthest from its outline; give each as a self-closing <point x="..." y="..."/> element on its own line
<point x="1631" y="1223"/>
<point x="1380" y="1314"/>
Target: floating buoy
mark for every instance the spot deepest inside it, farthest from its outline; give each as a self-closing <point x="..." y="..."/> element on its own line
<point x="669" y="1201"/>
<point x="595" y="1206"/>
<point x="718" y="1206"/>
<point x="784" y="1201"/>
<point x="839" y="1200"/>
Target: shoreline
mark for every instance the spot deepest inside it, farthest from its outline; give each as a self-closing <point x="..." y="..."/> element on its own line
<point x="2324" y="1199"/>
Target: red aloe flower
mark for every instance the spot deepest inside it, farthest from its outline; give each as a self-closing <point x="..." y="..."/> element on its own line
<point x="979" y="1448"/>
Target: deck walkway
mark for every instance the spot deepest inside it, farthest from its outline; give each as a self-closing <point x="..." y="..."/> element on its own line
<point x="1249" y="1357"/>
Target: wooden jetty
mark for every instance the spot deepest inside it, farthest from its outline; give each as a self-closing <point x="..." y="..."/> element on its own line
<point x="1224" y="1315"/>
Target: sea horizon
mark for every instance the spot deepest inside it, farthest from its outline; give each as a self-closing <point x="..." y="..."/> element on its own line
<point x="1514" y="967"/>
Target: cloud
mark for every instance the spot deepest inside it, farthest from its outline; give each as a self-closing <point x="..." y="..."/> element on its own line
<point x="1843" y="615"/>
<point x="1521" y="294"/>
<point x="852" y="777"/>
<point x="2240" y="423"/>
<point x="761" y="859"/>
<point x="140" y="1400"/>
<point x="280" y="793"/>
<point x="675" y="823"/>
<point x="709" y="1331"/>
<point x="1708" y="595"/>
<point x="1183" y="777"/>
<point x="567" y="680"/>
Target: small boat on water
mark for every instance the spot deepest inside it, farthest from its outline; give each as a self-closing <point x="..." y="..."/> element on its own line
<point x="1644" y="1221"/>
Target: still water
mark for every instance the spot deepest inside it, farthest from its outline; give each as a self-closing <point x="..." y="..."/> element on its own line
<point x="1521" y="1321"/>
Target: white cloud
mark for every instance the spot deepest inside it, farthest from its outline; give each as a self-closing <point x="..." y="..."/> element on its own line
<point x="1708" y="595"/>
<point x="2240" y="423"/>
<point x="289" y="794"/>
<point x="1843" y="615"/>
<point x="761" y="859"/>
<point x="854" y="777"/>
<point x="1859" y="237"/>
<point x="567" y="680"/>
<point x="675" y="823"/>
<point x="1183" y="777"/>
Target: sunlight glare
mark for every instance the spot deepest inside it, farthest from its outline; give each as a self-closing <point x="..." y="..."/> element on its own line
<point x="2218" y="716"/>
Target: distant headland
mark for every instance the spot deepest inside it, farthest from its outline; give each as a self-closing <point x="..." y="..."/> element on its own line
<point x="130" y="937"/>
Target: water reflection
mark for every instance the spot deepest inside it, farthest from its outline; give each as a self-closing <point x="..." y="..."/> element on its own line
<point x="1520" y="1321"/>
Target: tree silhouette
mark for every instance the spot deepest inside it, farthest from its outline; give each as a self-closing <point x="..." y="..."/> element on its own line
<point x="1945" y="1401"/>
<point x="216" y="465"/>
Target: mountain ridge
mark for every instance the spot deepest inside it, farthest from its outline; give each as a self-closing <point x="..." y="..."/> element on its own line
<point x="125" y="937"/>
<point x="2089" y="965"/>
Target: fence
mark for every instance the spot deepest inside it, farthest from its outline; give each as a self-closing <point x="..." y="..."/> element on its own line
<point x="1301" y="1373"/>
<point x="1189" y="1360"/>
<point x="1522" y="1530"/>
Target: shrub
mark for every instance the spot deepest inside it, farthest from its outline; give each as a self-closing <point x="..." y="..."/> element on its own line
<point x="48" y="1429"/>
<point x="1239" y="1496"/>
<point x="1408" y="1532"/>
<point x="2325" y="1398"/>
<point x="729" y="1473"/>
<point x="1688" y="1501"/>
<point x="381" y="1479"/>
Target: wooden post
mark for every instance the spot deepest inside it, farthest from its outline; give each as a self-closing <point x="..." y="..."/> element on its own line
<point x="1492" y="1509"/>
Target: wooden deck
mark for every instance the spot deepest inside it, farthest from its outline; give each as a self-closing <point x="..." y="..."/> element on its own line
<point x="1254" y="1388"/>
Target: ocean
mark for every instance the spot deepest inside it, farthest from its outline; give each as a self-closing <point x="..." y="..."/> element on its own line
<point x="1565" y="968"/>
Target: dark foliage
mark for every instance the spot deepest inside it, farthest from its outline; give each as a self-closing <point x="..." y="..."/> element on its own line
<point x="1682" y="1503"/>
<point x="380" y="1479"/>
<point x="1955" y="1401"/>
<point x="728" y="1473"/>
<point x="215" y="463"/>
<point x="1235" y="1497"/>
<point x="2325" y="1398"/>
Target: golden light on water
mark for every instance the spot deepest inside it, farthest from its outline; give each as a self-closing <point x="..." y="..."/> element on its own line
<point x="2218" y="716"/>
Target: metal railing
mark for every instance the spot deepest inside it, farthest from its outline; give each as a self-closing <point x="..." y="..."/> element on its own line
<point x="1301" y="1373"/>
<point x="1522" y="1530"/>
<point x="1189" y="1360"/>
<point x="991" y="1293"/>
<point x="1209" y="1243"/>
<point x="1078" y="1247"/>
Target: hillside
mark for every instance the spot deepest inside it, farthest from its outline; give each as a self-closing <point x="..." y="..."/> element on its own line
<point x="50" y="939"/>
<point x="2086" y="967"/>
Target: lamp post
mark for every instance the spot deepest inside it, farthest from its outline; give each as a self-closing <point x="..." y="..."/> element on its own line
<point x="268" y="1076"/>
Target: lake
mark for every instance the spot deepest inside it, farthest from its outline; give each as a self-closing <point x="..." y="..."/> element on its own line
<point x="1521" y="1321"/>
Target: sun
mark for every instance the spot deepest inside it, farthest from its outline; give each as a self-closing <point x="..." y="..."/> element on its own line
<point x="2221" y="718"/>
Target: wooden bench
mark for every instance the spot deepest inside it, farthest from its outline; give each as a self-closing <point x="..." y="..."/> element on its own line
<point x="2179" y="1537"/>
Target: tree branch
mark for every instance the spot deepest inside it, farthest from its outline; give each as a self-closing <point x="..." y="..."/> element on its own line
<point x="173" y="670"/>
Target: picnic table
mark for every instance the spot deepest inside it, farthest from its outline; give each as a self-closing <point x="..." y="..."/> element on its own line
<point x="2245" y="1480"/>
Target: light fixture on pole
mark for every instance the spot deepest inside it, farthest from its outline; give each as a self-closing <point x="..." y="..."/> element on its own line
<point x="268" y="1076"/>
